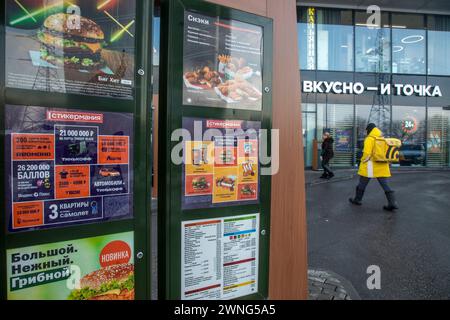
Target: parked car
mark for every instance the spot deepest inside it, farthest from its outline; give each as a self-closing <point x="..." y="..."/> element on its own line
<point x="412" y="154"/>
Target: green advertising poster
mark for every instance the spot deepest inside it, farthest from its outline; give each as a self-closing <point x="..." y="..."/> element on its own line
<point x="98" y="268"/>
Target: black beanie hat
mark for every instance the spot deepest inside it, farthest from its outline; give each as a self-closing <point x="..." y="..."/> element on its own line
<point x="370" y="127"/>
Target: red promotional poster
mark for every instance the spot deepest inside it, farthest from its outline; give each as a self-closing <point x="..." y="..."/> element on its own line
<point x="67" y="166"/>
<point x="33" y="146"/>
<point x="223" y="169"/>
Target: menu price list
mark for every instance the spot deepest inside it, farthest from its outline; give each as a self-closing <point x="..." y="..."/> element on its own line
<point x="220" y="257"/>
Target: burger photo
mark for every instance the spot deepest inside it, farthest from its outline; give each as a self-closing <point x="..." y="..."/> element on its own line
<point x="110" y="283"/>
<point x="66" y="45"/>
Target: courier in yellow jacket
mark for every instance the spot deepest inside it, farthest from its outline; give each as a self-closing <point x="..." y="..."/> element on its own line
<point x="369" y="169"/>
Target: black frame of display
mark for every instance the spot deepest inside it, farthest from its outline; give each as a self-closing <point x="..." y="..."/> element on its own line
<point x="140" y="107"/>
<point x="172" y="112"/>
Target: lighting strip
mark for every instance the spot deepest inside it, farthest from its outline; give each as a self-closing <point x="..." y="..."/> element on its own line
<point x="35" y="13"/>
<point x="398" y="49"/>
<point x="124" y="28"/>
<point x="417" y="38"/>
<point x="25" y="10"/>
<point x="103" y="4"/>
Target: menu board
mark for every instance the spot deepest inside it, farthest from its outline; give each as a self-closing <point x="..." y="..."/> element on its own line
<point x="67" y="167"/>
<point x="222" y="63"/>
<point x="220" y="258"/>
<point x="98" y="268"/>
<point x="221" y="163"/>
<point x="83" y="47"/>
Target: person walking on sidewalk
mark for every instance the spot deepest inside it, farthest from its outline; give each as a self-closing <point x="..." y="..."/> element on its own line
<point x="369" y="169"/>
<point x="326" y="155"/>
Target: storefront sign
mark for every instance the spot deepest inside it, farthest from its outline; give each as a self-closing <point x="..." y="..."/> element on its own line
<point x="83" y="48"/>
<point x="311" y="39"/>
<point x="338" y="87"/>
<point x="219" y="258"/>
<point x="221" y="168"/>
<point x="222" y="63"/>
<point x="83" y="269"/>
<point x="67" y="167"/>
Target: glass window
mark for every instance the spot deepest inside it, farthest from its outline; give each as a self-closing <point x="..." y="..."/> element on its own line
<point x="338" y="120"/>
<point x="334" y="40"/>
<point x="409" y="125"/>
<point x="438" y="45"/>
<point x="309" y="134"/>
<point x="156" y="46"/>
<point x="306" y="32"/>
<point x="373" y="44"/>
<point x="438" y="137"/>
<point x="408" y="44"/>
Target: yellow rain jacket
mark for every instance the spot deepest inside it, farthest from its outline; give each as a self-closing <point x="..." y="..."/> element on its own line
<point x="369" y="168"/>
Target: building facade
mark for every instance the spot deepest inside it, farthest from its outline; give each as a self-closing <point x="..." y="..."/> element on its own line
<point x="391" y="68"/>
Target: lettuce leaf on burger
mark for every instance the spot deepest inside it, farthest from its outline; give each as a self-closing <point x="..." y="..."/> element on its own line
<point x="110" y="283"/>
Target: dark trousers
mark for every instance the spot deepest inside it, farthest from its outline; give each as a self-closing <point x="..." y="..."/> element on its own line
<point x="364" y="181"/>
<point x="326" y="166"/>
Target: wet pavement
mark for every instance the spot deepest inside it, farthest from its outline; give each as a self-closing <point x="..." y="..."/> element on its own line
<point x="411" y="246"/>
<point x="327" y="285"/>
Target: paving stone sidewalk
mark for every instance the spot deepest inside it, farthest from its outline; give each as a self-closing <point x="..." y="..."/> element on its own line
<point x="327" y="285"/>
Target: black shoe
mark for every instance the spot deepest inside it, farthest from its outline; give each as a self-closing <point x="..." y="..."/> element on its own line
<point x="392" y="204"/>
<point x="330" y="175"/>
<point x="355" y="201"/>
<point x="324" y="176"/>
<point x="358" y="197"/>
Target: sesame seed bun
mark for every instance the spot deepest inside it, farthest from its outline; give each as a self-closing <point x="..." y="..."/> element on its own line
<point x="118" y="273"/>
<point x="88" y="29"/>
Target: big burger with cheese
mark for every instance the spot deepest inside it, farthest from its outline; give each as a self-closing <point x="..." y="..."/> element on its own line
<point x="71" y="41"/>
<point x="114" y="282"/>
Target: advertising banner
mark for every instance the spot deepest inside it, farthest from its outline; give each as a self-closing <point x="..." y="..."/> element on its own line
<point x="343" y="140"/>
<point x="222" y="63"/>
<point x="220" y="258"/>
<point x="66" y="167"/>
<point x="83" y="47"/>
<point x="435" y="141"/>
<point x="98" y="268"/>
<point x="221" y="163"/>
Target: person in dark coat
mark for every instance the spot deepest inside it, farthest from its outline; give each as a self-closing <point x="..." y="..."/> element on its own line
<point x="326" y="155"/>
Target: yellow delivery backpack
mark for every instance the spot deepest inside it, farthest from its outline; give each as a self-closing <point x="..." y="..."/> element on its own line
<point x="386" y="149"/>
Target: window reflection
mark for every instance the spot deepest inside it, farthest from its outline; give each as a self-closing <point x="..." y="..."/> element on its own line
<point x="439" y="45"/>
<point x="338" y="120"/>
<point x="408" y="44"/>
<point x="408" y="51"/>
<point x="438" y="137"/>
<point x="409" y="125"/>
<point x="335" y="40"/>
<point x="373" y="51"/>
<point x="372" y="43"/>
<point x="309" y="134"/>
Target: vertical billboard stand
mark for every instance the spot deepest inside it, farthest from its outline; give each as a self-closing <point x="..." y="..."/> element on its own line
<point x="215" y="120"/>
<point x="75" y="120"/>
